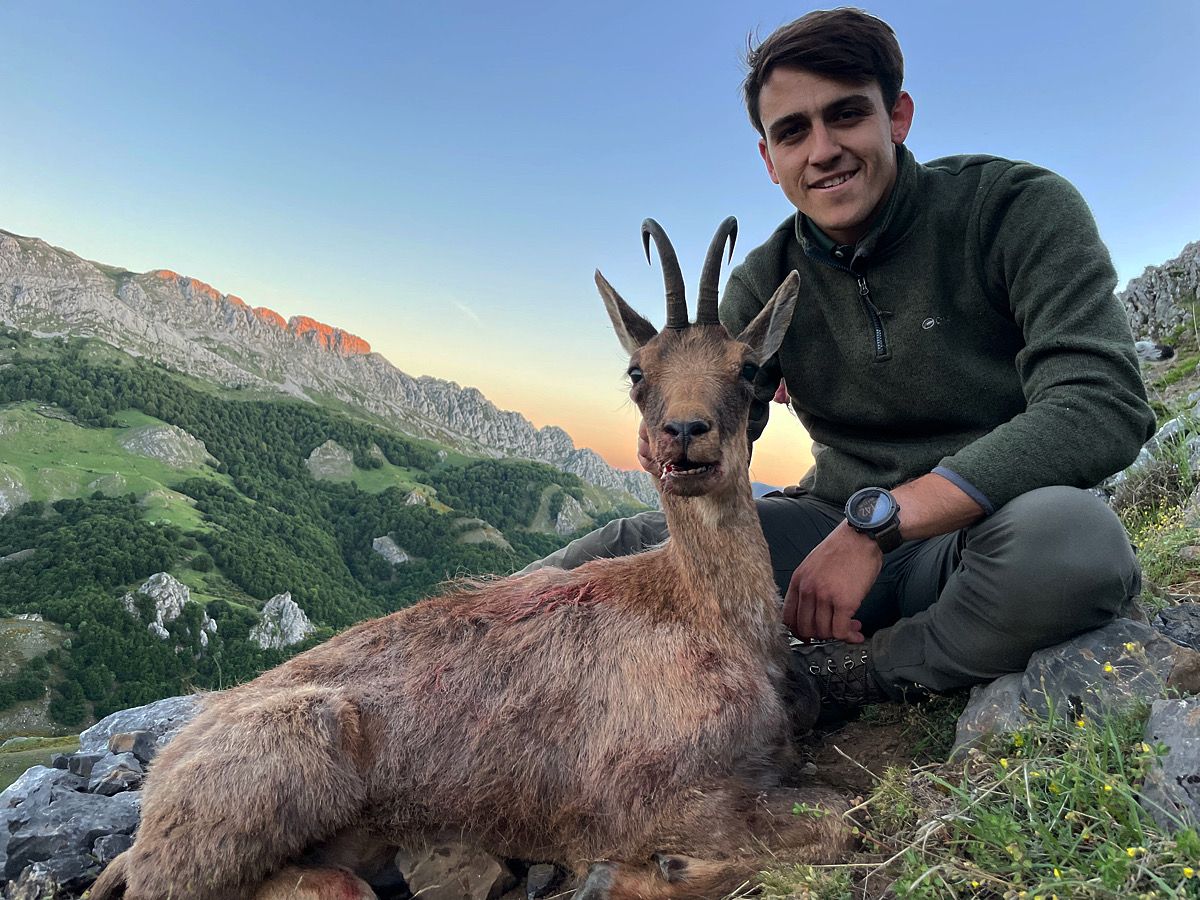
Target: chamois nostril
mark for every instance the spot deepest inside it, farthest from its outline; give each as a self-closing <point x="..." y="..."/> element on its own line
<point x="692" y="429"/>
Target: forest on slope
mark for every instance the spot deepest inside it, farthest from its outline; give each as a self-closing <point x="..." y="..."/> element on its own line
<point x="251" y="523"/>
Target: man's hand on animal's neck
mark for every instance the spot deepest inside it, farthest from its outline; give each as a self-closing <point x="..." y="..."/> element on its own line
<point x="827" y="589"/>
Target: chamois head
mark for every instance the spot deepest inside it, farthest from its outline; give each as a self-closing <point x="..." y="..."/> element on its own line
<point x="692" y="381"/>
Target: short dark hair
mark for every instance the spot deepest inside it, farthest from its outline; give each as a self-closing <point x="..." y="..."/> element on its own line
<point x="844" y="44"/>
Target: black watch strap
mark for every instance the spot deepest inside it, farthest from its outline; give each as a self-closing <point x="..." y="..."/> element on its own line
<point x="889" y="539"/>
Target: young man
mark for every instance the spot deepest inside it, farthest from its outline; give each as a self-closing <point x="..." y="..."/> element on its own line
<point x="964" y="370"/>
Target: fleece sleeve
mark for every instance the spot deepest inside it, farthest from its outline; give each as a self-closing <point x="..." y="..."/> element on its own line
<point x="1086" y="413"/>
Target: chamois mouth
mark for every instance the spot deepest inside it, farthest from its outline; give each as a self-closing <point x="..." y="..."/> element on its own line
<point x="687" y="475"/>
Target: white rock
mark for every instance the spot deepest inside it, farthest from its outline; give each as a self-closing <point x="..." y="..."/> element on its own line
<point x="283" y="624"/>
<point x="13" y="492"/>
<point x="388" y="549"/>
<point x="169" y="444"/>
<point x="330" y="460"/>
<point x="169" y="596"/>
<point x="571" y="517"/>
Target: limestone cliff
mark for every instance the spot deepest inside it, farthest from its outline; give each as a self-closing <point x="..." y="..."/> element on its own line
<point x="191" y="326"/>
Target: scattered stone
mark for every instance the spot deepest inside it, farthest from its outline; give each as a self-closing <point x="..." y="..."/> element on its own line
<point x="35" y="786"/>
<point x="142" y="744"/>
<point x="1171" y="793"/>
<point x="416" y="498"/>
<point x="388" y="549"/>
<point x="68" y="826"/>
<point x="29" y="617"/>
<point x="37" y="882"/>
<point x="81" y="764"/>
<point x="169" y="595"/>
<point x="60" y="760"/>
<point x="541" y="880"/>
<point x="109" y="847"/>
<point x="283" y="624"/>
<point x="992" y="710"/>
<point x="454" y="871"/>
<point x="115" y="773"/>
<point x="163" y="718"/>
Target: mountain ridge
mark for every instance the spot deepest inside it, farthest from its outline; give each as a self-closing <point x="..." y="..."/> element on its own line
<point x="188" y="325"/>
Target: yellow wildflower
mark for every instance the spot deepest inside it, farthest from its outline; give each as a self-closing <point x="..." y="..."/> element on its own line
<point x="1108" y="667"/>
<point x="1188" y="871"/>
<point x="1080" y="722"/>
<point x="1130" y="646"/>
<point x="1003" y="763"/>
<point x="1057" y="874"/>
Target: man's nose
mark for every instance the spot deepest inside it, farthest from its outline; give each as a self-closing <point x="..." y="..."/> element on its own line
<point x="824" y="146"/>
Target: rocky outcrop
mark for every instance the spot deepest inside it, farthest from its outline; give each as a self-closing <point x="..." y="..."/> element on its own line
<point x="1164" y="297"/>
<point x="330" y="460"/>
<point x="13" y="492"/>
<point x="283" y="624"/>
<point x="189" y="325"/>
<point x="390" y="550"/>
<point x="169" y="444"/>
<point x="169" y="596"/>
<point x="571" y="517"/>
<point x="477" y="531"/>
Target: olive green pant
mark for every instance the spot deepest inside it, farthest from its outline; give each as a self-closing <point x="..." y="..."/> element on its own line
<point x="954" y="610"/>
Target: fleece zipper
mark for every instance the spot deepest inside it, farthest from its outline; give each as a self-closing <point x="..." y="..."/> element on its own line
<point x="879" y="342"/>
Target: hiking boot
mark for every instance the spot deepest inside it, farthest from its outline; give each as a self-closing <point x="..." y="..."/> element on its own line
<point x="842" y="672"/>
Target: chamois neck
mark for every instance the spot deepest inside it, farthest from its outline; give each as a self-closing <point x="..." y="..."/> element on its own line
<point x="721" y="556"/>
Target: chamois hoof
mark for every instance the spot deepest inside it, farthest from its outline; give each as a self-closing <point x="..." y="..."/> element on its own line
<point x="599" y="882"/>
<point x="672" y="868"/>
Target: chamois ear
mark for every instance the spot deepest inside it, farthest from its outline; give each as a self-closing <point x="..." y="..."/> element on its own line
<point x="766" y="332"/>
<point x="632" y="330"/>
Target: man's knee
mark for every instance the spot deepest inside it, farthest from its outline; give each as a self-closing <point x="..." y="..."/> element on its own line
<point x="1064" y="557"/>
<point x="620" y="537"/>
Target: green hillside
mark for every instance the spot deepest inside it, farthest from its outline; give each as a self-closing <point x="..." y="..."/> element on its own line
<point x="102" y="453"/>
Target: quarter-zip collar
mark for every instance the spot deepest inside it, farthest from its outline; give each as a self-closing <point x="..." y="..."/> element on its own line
<point x="893" y="224"/>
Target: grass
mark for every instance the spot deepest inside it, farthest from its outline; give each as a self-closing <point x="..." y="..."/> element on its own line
<point x="1050" y="812"/>
<point x="15" y="761"/>
<point x="56" y="459"/>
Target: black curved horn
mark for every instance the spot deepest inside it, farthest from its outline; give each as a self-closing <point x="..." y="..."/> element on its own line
<point x="677" y="316"/>
<point x="710" y="276"/>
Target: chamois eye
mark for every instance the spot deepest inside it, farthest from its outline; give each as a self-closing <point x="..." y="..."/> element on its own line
<point x="635" y="374"/>
<point x="749" y="370"/>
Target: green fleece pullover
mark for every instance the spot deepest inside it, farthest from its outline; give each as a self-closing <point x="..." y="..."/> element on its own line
<point x="973" y="332"/>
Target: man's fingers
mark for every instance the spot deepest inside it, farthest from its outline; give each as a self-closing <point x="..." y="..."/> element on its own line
<point x="824" y="619"/>
<point x="843" y="627"/>
<point x="790" y="601"/>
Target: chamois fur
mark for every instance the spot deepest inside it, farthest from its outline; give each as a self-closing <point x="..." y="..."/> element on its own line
<point x="628" y="711"/>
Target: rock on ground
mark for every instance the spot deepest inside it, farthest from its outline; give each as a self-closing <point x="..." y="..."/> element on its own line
<point x="330" y="460"/>
<point x="1171" y="793"/>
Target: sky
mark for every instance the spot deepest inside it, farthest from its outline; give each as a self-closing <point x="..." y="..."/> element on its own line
<point x="442" y="179"/>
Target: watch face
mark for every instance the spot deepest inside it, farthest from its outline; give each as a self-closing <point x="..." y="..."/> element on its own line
<point x="870" y="508"/>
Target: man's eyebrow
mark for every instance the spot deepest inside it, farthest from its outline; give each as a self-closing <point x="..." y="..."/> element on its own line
<point x="798" y="118"/>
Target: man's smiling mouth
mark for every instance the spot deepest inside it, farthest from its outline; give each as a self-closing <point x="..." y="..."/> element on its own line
<point x="833" y="181"/>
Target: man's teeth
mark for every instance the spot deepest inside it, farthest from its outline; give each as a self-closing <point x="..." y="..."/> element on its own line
<point x="834" y="182"/>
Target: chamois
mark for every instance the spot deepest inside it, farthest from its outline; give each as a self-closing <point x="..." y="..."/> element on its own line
<point x="624" y="719"/>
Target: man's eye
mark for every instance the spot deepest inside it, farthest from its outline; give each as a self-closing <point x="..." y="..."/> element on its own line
<point x="635" y="374"/>
<point x="749" y="370"/>
<point x="849" y="115"/>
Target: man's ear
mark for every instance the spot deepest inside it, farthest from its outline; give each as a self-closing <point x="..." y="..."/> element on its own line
<point x="765" y="333"/>
<point x="766" y="155"/>
<point x="632" y="330"/>
<point x="902" y="117"/>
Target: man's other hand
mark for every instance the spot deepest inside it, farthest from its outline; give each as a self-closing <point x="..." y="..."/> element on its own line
<point x="646" y="461"/>
<point x="827" y="589"/>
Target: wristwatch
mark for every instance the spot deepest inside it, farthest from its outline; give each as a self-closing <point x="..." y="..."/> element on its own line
<point x="873" y="511"/>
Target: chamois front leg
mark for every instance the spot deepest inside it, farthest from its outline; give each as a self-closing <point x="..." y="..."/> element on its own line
<point x="784" y="826"/>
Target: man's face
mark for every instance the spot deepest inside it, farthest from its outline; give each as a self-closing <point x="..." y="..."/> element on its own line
<point x="829" y="146"/>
